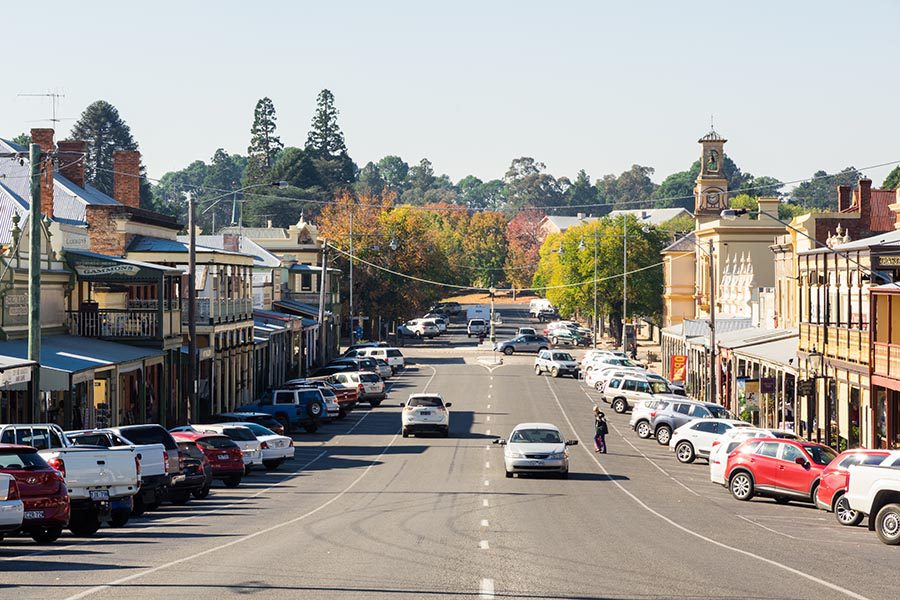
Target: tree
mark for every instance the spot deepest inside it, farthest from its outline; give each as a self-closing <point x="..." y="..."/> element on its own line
<point x="680" y="224"/>
<point x="105" y="132"/>
<point x="394" y="171"/>
<point x="325" y="144"/>
<point x="528" y="185"/>
<point x="264" y="144"/>
<point x="523" y="239"/>
<point x="581" y="192"/>
<point x="23" y="139"/>
<point x="634" y="186"/>
<point x="677" y="190"/>
<point x="819" y="192"/>
<point x="478" y="194"/>
<point x="370" y="182"/>
<point x="892" y="181"/>
<point x="485" y="247"/>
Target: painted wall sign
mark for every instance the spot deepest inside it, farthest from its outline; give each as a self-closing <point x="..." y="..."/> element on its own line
<point x="889" y="261"/>
<point x="15" y="375"/>
<point x="100" y="270"/>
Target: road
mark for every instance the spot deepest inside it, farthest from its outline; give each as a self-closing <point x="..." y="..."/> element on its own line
<point x="363" y="513"/>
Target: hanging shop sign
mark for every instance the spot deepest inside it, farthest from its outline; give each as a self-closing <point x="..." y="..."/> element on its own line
<point x="678" y="367"/>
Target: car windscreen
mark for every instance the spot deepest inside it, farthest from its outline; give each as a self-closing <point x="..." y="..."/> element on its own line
<point x="718" y="412"/>
<point x="659" y="387"/>
<point x="535" y="436"/>
<point x="21" y="459"/>
<point x="239" y="434"/>
<point x="429" y="401"/>
<point x="394" y="353"/>
<point x="258" y="429"/>
<point x="369" y="377"/>
<point x="564" y="356"/>
<point x="190" y="449"/>
<point x="150" y="435"/>
<point x="476" y="322"/>
<point x="820" y="454"/>
<point x="216" y="442"/>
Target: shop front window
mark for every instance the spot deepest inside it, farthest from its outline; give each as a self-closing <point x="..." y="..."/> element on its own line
<point x="853" y="434"/>
<point x="880" y="409"/>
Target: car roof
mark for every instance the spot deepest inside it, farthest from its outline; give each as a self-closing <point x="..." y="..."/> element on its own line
<point x="245" y="414"/>
<point x="536" y="426"/>
<point x="425" y="395"/>
<point x="193" y="436"/>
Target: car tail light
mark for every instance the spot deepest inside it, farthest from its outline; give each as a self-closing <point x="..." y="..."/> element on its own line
<point x="716" y="443"/>
<point x="263" y="446"/>
<point x="360" y="388"/>
<point x="58" y="464"/>
<point x="440" y="408"/>
<point x="12" y="492"/>
<point x="652" y="413"/>
<point x="166" y="462"/>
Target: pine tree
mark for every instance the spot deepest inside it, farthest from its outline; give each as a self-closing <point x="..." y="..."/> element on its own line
<point x="264" y="144"/>
<point x="325" y="139"/>
<point x="105" y="132"/>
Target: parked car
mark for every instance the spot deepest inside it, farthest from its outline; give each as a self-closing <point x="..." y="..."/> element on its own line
<point x="598" y="378"/>
<point x="293" y="408"/>
<point x="547" y="314"/>
<point x="875" y="491"/>
<point x="526" y="331"/>
<point x="331" y="369"/>
<point x="641" y="416"/>
<point x="37" y="496"/>
<point x="478" y="311"/>
<point x="275" y="448"/>
<point x="476" y="327"/>
<point x="782" y="469"/>
<point x="623" y="392"/>
<point x="728" y="441"/>
<point x="564" y="337"/>
<point x="96" y="478"/>
<point x="154" y="472"/>
<point x="251" y="448"/>
<point x="678" y="412"/>
<point x="369" y="386"/>
<point x="196" y="465"/>
<point x="392" y="356"/>
<point x="555" y="362"/>
<point x="536" y="448"/>
<point x="355" y="349"/>
<point x="449" y="308"/>
<point x="384" y="370"/>
<point x="357" y="363"/>
<point x="178" y="488"/>
<point x="610" y="360"/>
<point x="225" y="457"/>
<point x="264" y="419"/>
<point x="346" y="395"/>
<point x="426" y="328"/>
<point x="425" y="412"/>
<point x="695" y="438"/>
<point x="831" y="494"/>
<point x="332" y="408"/>
<point x="12" y="509"/>
<point x="522" y="343"/>
<point x="442" y="321"/>
<point x="537" y="305"/>
<point x="594" y="353"/>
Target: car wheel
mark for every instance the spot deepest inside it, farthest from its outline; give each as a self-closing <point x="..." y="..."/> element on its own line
<point x="84" y="523"/>
<point x="374" y="403"/>
<point x="314" y="409"/>
<point x="446" y="432"/>
<point x="597" y="386"/>
<point x="119" y="518"/>
<point x="564" y="475"/>
<point x="554" y="372"/>
<point x="180" y="497"/>
<point x="684" y="452"/>
<point x="663" y="435"/>
<point x="887" y="524"/>
<point x="509" y="474"/>
<point x="537" y="369"/>
<point x="508" y="351"/>
<point x="233" y="481"/>
<point x="782" y="499"/>
<point x="201" y="493"/>
<point x="468" y="335"/>
<point x="311" y="426"/>
<point x="620" y="406"/>
<point x="542" y="348"/>
<point x="46" y="535"/>
<point x="554" y="341"/>
<point x="741" y="486"/>
<point x="643" y="430"/>
<point x="844" y="514"/>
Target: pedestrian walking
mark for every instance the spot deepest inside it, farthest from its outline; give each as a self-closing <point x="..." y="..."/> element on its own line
<point x="601" y="428"/>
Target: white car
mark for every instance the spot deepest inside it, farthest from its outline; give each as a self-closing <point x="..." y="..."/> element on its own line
<point x="251" y="449"/>
<point x="476" y="327"/>
<point x="385" y="371"/>
<point x="721" y="448"/>
<point x="536" y="448"/>
<point x="695" y="438"/>
<point x="598" y="378"/>
<point x="275" y="448"/>
<point x="392" y="356"/>
<point x="423" y="328"/>
<point x="439" y="320"/>
<point x="590" y="355"/>
<point x="12" y="510"/>
<point x="425" y="412"/>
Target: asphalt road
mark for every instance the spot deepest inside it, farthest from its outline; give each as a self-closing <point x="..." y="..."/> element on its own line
<point x="362" y="512"/>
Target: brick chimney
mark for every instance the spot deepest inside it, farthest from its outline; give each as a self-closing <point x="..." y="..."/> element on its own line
<point x="71" y="158"/>
<point x="844" y="192"/>
<point x="231" y="242"/>
<point x="864" y="202"/>
<point x="127" y="177"/>
<point x="44" y="138"/>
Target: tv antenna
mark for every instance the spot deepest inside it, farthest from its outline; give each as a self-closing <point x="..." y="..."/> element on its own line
<point x="54" y="102"/>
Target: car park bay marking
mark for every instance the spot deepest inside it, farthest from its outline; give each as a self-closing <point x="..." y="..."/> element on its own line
<point x="487" y="588"/>
<point x="487" y="482"/>
<point x="487" y="419"/>
<point x="244" y="538"/>
<point x="691" y="532"/>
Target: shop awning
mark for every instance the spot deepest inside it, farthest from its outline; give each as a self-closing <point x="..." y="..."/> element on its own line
<point x="14" y="371"/>
<point x="780" y="353"/>
<point x="91" y="266"/>
<point x="65" y="355"/>
<point x="297" y="308"/>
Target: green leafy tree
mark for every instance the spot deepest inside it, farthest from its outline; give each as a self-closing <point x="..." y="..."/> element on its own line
<point x="478" y="194"/>
<point x="486" y="247"/>
<point x="394" y="170"/>
<point x="680" y="224"/>
<point x="892" y="181"/>
<point x="325" y="144"/>
<point x="105" y="132"/>
<point x="819" y="192"/>
<point x="635" y="186"/>
<point x="264" y="144"/>
<point x="369" y="182"/>
<point x="23" y="139"/>
<point x="527" y="185"/>
<point x="677" y="190"/>
<point x="582" y="192"/>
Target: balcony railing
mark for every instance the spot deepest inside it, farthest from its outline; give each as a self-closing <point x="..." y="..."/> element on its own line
<point x="223" y="310"/>
<point x="127" y="324"/>
<point x="887" y="360"/>
<point x="836" y="342"/>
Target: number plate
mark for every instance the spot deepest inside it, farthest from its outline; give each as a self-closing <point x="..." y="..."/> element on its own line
<point x="34" y="514"/>
<point x="425" y="413"/>
<point x="223" y="457"/>
<point x="99" y="495"/>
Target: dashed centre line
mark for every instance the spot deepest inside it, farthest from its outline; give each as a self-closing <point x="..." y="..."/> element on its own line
<point x="483" y="544"/>
<point x="484" y="523"/>
<point x="487" y="588"/>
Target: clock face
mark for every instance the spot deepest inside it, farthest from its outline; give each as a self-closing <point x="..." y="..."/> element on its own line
<point x="713" y="199"/>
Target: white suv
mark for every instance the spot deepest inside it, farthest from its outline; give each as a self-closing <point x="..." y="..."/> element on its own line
<point x="556" y="363"/>
<point x="696" y="438"/>
<point x="392" y="356"/>
<point x="423" y="328"/>
<point x="625" y="392"/>
<point x="476" y="327"/>
<point x="425" y="412"/>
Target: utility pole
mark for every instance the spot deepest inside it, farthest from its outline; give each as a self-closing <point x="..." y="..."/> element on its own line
<point x="352" y="333"/>
<point x="192" y="308"/>
<point x="624" y="280"/>
<point x="713" y="369"/>
<point x="596" y="332"/>
<point x="34" y="276"/>
<point x="323" y="280"/>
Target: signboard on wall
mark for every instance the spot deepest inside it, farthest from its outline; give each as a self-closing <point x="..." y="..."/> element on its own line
<point x="767" y="385"/>
<point x="678" y="367"/>
<point x="15" y="308"/>
<point x="15" y="375"/>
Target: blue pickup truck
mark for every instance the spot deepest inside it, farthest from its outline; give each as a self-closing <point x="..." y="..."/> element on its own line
<point x="303" y="407"/>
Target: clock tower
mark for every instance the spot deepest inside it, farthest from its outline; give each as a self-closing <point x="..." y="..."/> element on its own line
<point x="711" y="188"/>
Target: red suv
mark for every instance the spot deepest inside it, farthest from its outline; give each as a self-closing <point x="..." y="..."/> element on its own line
<point x="833" y="486"/>
<point x="224" y="455"/>
<point x="42" y="490"/>
<point x="783" y="469"/>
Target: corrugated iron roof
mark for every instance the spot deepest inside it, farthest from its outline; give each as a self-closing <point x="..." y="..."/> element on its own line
<point x="261" y="256"/>
<point x="653" y="216"/>
<point x="685" y="243"/>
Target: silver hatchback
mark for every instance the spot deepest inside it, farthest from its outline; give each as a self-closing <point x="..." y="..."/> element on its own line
<point x="667" y="419"/>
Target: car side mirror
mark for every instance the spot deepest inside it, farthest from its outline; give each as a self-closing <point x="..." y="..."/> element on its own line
<point x="448" y="404"/>
<point x="571" y="442"/>
<point x="500" y="442"/>
<point x="801" y="461"/>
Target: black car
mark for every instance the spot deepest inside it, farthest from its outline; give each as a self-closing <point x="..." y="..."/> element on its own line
<point x="196" y="465"/>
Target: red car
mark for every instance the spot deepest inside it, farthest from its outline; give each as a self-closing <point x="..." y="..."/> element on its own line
<point x="833" y="486"/>
<point x="783" y="469"/>
<point x="225" y="457"/>
<point x="42" y="490"/>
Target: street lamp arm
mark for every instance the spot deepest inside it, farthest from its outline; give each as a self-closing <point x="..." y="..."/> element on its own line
<point x="216" y="199"/>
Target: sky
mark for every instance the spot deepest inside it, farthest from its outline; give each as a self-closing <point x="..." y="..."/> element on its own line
<point x="794" y="86"/>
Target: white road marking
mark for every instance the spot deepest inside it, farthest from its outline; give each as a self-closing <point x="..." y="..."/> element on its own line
<point x="752" y="522"/>
<point x="489" y="404"/>
<point x="487" y="588"/>
<point x="483" y="544"/>
<point x="255" y="534"/>
<point x="691" y="532"/>
<point x="487" y="419"/>
<point x="485" y="502"/>
<point x="487" y="482"/>
<point x="487" y="465"/>
<point x="484" y="523"/>
<point x="490" y="385"/>
<point x="487" y="432"/>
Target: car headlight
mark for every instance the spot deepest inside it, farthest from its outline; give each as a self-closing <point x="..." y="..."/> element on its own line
<point x="516" y="455"/>
<point x="558" y="455"/>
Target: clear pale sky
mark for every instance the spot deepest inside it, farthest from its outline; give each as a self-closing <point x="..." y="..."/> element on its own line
<point x="794" y="86"/>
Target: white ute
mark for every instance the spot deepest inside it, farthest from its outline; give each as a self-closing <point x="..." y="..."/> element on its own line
<point x="875" y="491"/>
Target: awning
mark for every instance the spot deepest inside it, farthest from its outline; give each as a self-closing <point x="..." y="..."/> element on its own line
<point x="274" y="317"/>
<point x="15" y="371"/>
<point x="297" y="308"/>
<point x="65" y="355"/>
<point x="782" y="353"/>
<point x="91" y="266"/>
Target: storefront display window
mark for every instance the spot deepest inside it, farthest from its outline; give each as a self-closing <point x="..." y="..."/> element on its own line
<point x="881" y="413"/>
<point x="854" y="441"/>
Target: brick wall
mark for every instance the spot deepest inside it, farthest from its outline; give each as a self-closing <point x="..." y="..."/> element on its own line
<point x="104" y="234"/>
<point x="44" y="138"/>
<point x="71" y="158"/>
<point x="127" y="177"/>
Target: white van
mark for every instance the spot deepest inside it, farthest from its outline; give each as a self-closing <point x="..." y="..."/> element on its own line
<point x="537" y="305"/>
<point x="478" y="312"/>
<point x="392" y="356"/>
